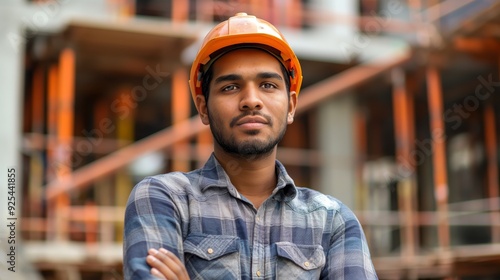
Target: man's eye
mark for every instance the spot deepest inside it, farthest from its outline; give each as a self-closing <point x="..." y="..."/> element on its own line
<point x="269" y="85"/>
<point x="229" y="88"/>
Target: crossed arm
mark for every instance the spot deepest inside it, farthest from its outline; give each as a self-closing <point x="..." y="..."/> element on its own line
<point x="166" y="265"/>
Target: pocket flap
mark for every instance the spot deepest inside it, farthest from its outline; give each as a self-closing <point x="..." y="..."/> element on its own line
<point x="210" y="247"/>
<point x="306" y="256"/>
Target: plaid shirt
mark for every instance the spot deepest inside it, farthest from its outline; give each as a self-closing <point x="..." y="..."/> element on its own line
<point x="297" y="233"/>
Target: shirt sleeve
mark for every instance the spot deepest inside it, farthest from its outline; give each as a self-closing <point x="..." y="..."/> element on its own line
<point x="151" y="221"/>
<point x="348" y="257"/>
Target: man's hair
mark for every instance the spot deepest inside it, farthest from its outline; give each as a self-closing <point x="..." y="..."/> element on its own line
<point x="208" y="76"/>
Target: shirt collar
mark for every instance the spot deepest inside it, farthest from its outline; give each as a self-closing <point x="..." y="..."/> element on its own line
<point x="213" y="175"/>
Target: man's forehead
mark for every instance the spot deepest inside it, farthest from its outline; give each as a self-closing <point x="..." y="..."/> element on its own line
<point x="241" y="57"/>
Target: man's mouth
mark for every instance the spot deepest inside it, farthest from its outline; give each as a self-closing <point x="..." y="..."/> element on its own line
<point x="251" y="121"/>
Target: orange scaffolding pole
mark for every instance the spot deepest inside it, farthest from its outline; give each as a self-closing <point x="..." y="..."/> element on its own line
<point x="65" y="119"/>
<point x="438" y="134"/>
<point x="360" y="123"/>
<point x="180" y="11"/>
<point x="181" y="109"/>
<point x="52" y="118"/>
<point x="254" y="7"/>
<point x="91" y="223"/>
<point x="65" y="113"/>
<point x="402" y="126"/>
<point x="38" y="103"/>
<point x="203" y="140"/>
<point x="51" y="145"/>
<point x="293" y="16"/>
<point x="492" y="169"/>
<point x="204" y="10"/>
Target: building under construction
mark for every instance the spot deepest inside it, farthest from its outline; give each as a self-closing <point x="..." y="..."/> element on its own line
<point x="398" y="117"/>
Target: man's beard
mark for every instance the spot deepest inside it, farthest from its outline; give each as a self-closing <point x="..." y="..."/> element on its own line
<point x="248" y="149"/>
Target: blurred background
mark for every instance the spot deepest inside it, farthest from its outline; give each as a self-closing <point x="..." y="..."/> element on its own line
<point x="398" y="117"/>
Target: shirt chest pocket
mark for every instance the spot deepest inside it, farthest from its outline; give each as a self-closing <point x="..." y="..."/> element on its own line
<point x="299" y="261"/>
<point x="212" y="256"/>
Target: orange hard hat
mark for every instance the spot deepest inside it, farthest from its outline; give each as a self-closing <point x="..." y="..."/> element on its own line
<point x="244" y="30"/>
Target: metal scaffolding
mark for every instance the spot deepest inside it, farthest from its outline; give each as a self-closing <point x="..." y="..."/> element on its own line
<point x="93" y="74"/>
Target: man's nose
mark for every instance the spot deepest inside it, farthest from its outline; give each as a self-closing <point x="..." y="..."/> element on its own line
<point x="251" y="99"/>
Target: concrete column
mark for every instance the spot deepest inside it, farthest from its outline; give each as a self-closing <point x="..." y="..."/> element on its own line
<point x="336" y="117"/>
<point x="11" y="57"/>
<point x="336" y="144"/>
<point x="342" y="8"/>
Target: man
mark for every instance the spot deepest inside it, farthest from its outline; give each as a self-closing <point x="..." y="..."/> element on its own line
<point x="241" y="216"/>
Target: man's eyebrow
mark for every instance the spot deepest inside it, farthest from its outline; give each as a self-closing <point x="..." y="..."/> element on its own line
<point x="269" y="75"/>
<point x="229" y="77"/>
<point x="235" y="77"/>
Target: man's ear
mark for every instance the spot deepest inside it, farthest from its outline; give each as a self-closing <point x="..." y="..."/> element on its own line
<point x="292" y="106"/>
<point x="201" y="106"/>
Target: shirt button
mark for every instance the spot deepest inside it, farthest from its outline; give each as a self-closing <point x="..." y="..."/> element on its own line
<point x="258" y="219"/>
<point x="210" y="250"/>
<point x="258" y="273"/>
<point x="306" y="264"/>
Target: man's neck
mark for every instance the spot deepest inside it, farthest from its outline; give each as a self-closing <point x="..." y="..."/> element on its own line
<point x="253" y="178"/>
